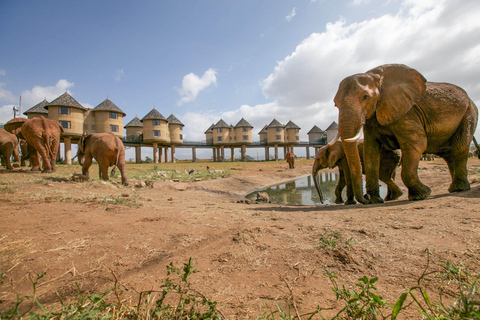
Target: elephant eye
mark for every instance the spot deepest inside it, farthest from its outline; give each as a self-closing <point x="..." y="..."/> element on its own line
<point x="365" y="97"/>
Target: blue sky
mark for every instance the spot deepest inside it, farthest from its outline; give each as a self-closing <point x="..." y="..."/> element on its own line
<point x="206" y="60"/>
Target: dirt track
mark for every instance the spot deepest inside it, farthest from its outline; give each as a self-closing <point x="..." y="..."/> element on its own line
<point x="77" y="232"/>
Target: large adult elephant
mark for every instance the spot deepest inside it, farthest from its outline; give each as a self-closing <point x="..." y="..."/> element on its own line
<point x="107" y="149"/>
<point x="398" y="109"/>
<point x="332" y="156"/>
<point x="42" y="136"/>
<point x="9" y="147"/>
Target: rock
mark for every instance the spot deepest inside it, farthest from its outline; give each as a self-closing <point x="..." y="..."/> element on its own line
<point x="79" y="178"/>
<point x="140" y="184"/>
<point x="197" y="179"/>
<point x="263" y="196"/>
<point x="176" y="180"/>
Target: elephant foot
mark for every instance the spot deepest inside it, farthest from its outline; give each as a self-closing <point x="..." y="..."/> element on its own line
<point x="35" y="169"/>
<point x="415" y="194"/>
<point x="350" y="202"/>
<point x="16" y="165"/>
<point x="339" y="200"/>
<point x="375" y="199"/>
<point x="459" y="186"/>
<point x="393" y="194"/>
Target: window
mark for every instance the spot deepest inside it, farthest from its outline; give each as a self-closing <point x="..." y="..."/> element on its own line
<point x="277" y="129"/>
<point x="219" y="139"/>
<point x="297" y="130"/>
<point x="156" y="133"/>
<point x="65" y="124"/>
<point x="64" y="110"/>
<point x="278" y="137"/>
<point x="245" y="129"/>
<point x="113" y="128"/>
<point x="156" y="123"/>
<point x="181" y="137"/>
<point x="245" y="138"/>
<point x="113" y="115"/>
<point x="297" y="138"/>
<point x="219" y="130"/>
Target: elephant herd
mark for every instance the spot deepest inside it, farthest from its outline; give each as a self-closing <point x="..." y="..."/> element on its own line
<point x="40" y="138"/>
<point x="393" y="106"/>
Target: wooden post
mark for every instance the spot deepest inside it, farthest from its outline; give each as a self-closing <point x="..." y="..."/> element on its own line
<point x="214" y="154"/>
<point x="232" y="154"/>
<point x="308" y="153"/>
<point x="222" y="150"/>
<point x="155" y="152"/>
<point x="166" y="154"/>
<point x="276" y="152"/>
<point x="267" y="154"/>
<point x="244" y="153"/>
<point x="67" y="142"/>
<point x="172" y="147"/>
<point x="138" y="154"/>
<point x="194" y="154"/>
<point x="160" y="155"/>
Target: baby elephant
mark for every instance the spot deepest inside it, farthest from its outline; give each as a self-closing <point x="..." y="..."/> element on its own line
<point x="290" y="157"/>
<point x="8" y="146"/>
<point x="107" y="149"/>
<point x="332" y="155"/>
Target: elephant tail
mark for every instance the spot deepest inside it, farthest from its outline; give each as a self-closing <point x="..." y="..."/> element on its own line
<point x="476" y="146"/>
<point x="112" y="173"/>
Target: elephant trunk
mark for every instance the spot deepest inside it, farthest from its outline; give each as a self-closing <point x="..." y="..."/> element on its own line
<point x="316" y="167"/>
<point x="349" y="143"/>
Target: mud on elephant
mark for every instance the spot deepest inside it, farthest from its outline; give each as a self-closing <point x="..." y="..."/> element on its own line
<point x="107" y="149"/>
<point x="332" y="155"/>
<point x="398" y="109"/>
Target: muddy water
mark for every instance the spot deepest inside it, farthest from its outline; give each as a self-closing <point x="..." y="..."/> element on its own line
<point x="303" y="192"/>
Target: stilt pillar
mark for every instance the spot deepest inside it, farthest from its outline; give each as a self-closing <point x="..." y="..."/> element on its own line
<point x="285" y="150"/>
<point x="155" y="152"/>
<point x="194" y="154"/>
<point x="232" y="149"/>
<point x="222" y="150"/>
<point x="166" y="154"/>
<point x="214" y="154"/>
<point x="172" y="147"/>
<point x="308" y="153"/>
<point x="138" y="154"/>
<point x="67" y="143"/>
<point x="267" y="154"/>
<point x="276" y="152"/>
<point x="160" y="155"/>
<point x="244" y="153"/>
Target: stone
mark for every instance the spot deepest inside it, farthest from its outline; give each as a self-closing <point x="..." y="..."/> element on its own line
<point x="263" y="197"/>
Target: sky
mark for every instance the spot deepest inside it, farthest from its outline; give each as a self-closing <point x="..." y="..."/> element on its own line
<point x="206" y="60"/>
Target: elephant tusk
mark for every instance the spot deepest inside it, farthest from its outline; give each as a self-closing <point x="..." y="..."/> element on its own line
<point x="357" y="136"/>
<point x="334" y="140"/>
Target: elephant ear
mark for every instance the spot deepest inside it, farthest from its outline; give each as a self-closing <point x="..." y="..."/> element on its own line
<point x="334" y="153"/>
<point x="400" y="88"/>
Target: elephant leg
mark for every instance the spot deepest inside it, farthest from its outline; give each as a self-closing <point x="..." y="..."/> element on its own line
<point x="339" y="188"/>
<point x="103" y="171"/>
<point x="55" y="146"/>
<point x="34" y="158"/>
<point x="42" y="151"/>
<point x="457" y="164"/>
<point x="388" y="165"/>
<point x="7" y="162"/>
<point x="416" y="189"/>
<point x="371" y="157"/>
<point x="87" y="162"/>
<point x="123" y="172"/>
<point x="348" y="181"/>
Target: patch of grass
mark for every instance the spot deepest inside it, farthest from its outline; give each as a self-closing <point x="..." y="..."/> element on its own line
<point x="7" y="189"/>
<point x="330" y="240"/>
<point x="117" y="200"/>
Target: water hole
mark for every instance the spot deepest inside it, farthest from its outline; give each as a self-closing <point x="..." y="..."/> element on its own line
<point x="302" y="191"/>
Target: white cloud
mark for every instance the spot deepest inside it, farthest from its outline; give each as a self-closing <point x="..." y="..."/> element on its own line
<point x="6" y="95"/>
<point x="291" y="15"/>
<point x="119" y="73"/>
<point x="193" y="84"/>
<point x="34" y="96"/>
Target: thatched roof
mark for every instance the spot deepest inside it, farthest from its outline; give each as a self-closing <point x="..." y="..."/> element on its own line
<point x="174" y="120"/>
<point x="334" y="125"/>
<point x="153" y="115"/>
<point x="291" y="125"/>
<point x="134" y="123"/>
<point x="315" y="129"/>
<point x="66" y="100"/>
<point x="108" y="105"/>
<point x="210" y="129"/>
<point x="243" y="123"/>
<point x="221" y="124"/>
<point x="38" y="108"/>
<point x="275" y="124"/>
<point x="264" y="130"/>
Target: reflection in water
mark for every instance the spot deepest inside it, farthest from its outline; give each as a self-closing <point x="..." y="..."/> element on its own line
<point x="302" y="191"/>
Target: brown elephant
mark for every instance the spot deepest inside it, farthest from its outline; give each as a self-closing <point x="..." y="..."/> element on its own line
<point x="107" y="149"/>
<point x="42" y="136"/>
<point x="332" y="155"/>
<point x="290" y="158"/>
<point x="9" y="147"/>
<point x="398" y="109"/>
